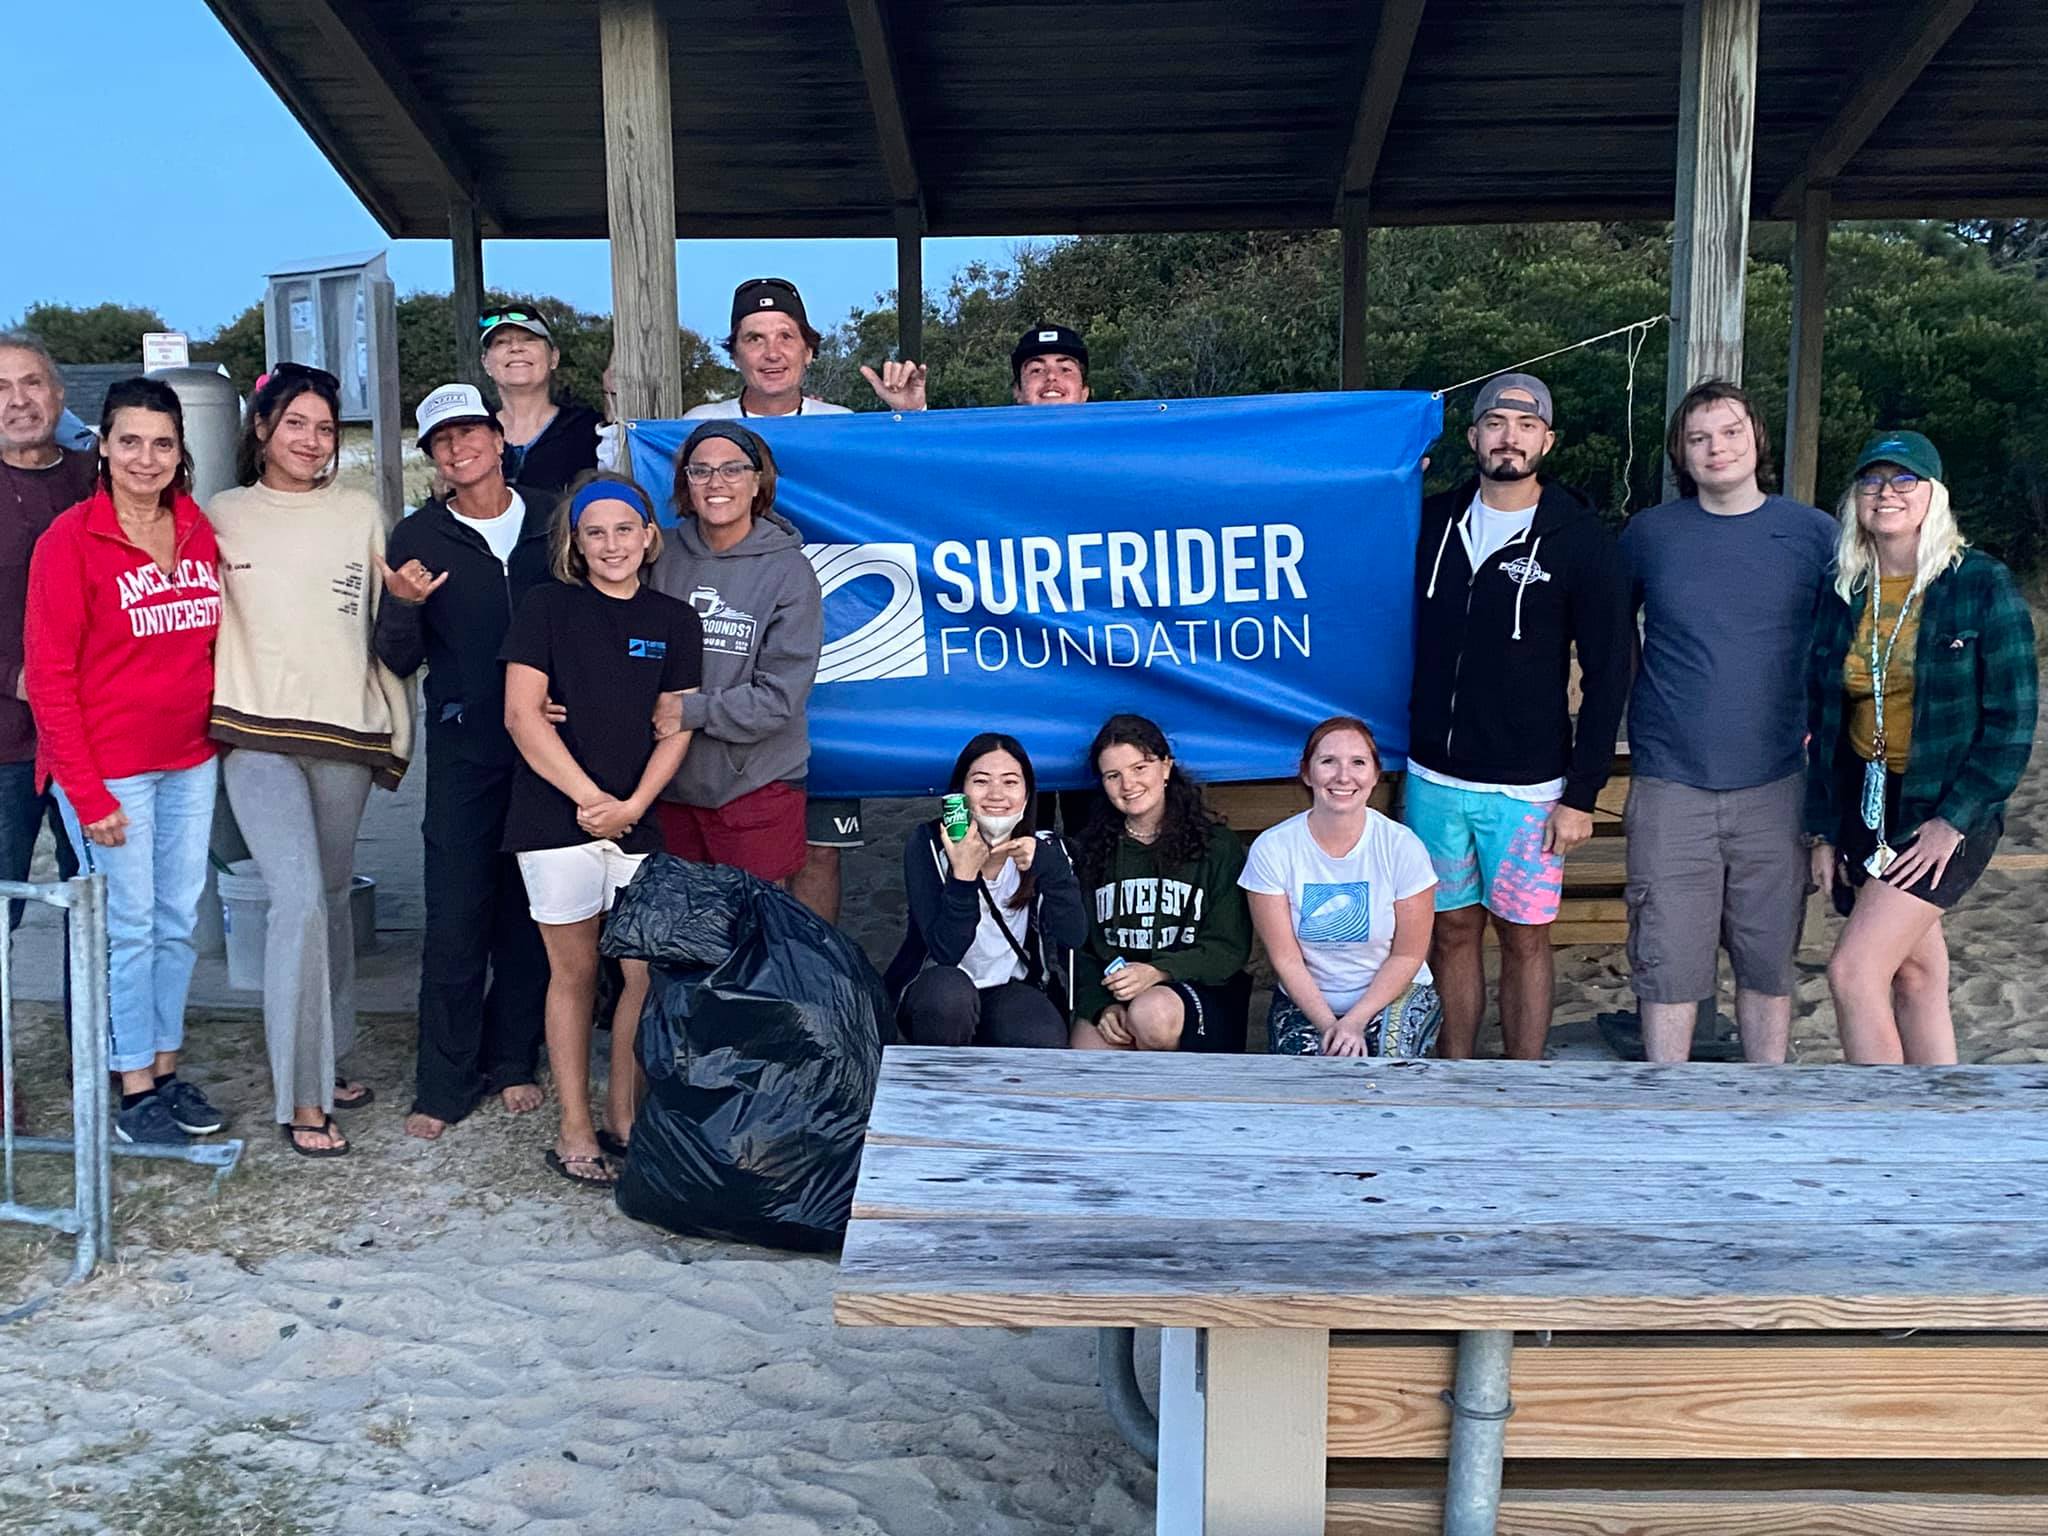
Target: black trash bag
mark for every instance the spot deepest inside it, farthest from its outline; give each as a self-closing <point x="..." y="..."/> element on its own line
<point x="761" y="1040"/>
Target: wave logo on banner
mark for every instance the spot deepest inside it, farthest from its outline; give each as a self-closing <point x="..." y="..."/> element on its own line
<point x="874" y="612"/>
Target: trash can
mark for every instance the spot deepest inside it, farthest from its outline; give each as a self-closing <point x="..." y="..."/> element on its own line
<point x="245" y="908"/>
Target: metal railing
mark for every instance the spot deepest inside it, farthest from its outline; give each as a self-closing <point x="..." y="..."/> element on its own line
<point x="90" y="1215"/>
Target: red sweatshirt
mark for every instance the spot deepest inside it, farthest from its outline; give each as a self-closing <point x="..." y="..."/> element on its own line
<point x="119" y="665"/>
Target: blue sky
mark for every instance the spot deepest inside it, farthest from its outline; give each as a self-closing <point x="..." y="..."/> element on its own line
<point x="189" y="221"/>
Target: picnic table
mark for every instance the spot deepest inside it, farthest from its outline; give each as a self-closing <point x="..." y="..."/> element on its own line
<point x="1712" y="1254"/>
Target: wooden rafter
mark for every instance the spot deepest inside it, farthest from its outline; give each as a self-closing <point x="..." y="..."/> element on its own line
<point x="357" y="45"/>
<point x="885" y="99"/>
<point x="1392" y="46"/>
<point x="1894" y="66"/>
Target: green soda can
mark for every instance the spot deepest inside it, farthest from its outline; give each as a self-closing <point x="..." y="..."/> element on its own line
<point x="954" y="818"/>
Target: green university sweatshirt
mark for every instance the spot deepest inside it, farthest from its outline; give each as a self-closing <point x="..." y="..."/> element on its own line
<point x="1189" y="920"/>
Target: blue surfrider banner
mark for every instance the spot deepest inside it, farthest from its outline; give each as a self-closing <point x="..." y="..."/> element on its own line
<point x="1235" y="569"/>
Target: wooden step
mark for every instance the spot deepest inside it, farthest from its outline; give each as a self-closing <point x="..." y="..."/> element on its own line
<point x="1666" y="1498"/>
<point x="1845" y="1397"/>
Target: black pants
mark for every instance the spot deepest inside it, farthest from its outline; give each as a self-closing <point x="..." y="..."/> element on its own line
<point x="944" y="1007"/>
<point x="23" y="814"/>
<point x="484" y="973"/>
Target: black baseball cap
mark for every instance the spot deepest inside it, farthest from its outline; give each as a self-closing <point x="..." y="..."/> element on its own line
<point x="1047" y="341"/>
<point x="759" y="293"/>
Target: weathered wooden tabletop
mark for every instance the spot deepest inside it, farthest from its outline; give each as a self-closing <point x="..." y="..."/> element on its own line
<point x="1055" y="1188"/>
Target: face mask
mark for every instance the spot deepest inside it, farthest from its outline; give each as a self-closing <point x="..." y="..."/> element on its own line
<point x="994" y="829"/>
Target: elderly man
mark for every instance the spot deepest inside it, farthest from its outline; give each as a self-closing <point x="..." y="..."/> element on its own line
<point x="38" y="479"/>
<point x="773" y="344"/>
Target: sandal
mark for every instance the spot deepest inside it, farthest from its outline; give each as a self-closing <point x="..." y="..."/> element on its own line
<point x="568" y="1168"/>
<point x="363" y="1095"/>
<point x="291" y="1131"/>
<point x="611" y="1146"/>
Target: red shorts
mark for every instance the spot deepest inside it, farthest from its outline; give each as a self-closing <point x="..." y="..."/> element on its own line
<point x="762" y="832"/>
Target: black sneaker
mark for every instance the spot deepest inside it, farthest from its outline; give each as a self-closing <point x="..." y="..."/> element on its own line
<point x="149" y="1124"/>
<point x="189" y="1108"/>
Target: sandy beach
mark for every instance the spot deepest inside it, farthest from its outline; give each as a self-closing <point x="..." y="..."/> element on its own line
<point x="426" y="1338"/>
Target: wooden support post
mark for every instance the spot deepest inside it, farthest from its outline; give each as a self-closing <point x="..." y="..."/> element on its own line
<point x="1354" y="216"/>
<point x="909" y="281"/>
<point x="640" y="198"/>
<point x="387" y="437"/>
<point x="1243" y="1430"/>
<point x="466" y="242"/>
<point x="1809" y="312"/>
<point x="1710" y="225"/>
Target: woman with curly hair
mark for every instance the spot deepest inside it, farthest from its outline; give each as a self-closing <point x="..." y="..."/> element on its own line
<point x="1168" y="931"/>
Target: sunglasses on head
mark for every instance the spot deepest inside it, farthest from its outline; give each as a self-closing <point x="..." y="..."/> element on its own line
<point x="305" y="371"/>
<point x="508" y="317"/>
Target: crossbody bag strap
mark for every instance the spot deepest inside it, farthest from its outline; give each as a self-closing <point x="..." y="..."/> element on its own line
<point x="988" y="900"/>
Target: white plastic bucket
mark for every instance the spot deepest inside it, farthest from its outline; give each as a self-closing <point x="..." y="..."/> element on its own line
<point x="245" y="914"/>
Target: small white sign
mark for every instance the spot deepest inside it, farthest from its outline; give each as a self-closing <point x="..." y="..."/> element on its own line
<point x="302" y="314"/>
<point x="165" y="349"/>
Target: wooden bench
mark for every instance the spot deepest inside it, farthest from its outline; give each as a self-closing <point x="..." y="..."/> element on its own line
<point x="1714" y="1255"/>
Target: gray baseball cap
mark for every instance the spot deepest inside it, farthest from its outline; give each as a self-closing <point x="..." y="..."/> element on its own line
<point x="1514" y="392"/>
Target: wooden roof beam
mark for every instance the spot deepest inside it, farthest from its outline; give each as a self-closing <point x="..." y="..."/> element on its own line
<point x="1391" y="49"/>
<point x="885" y="100"/>
<point x="363" y="50"/>
<point x="238" y="19"/>
<point x="1916" y="38"/>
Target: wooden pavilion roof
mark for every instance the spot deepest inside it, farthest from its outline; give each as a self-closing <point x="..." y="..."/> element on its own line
<point x="821" y="117"/>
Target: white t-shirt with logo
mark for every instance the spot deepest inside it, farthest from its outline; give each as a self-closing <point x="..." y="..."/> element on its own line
<point x="500" y="532"/>
<point x="991" y="960"/>
<point x="1343" y="906"/>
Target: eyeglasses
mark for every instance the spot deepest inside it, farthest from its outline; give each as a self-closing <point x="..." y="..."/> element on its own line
<point x="730" y="472"/>
<point x="1905" y="482"/>
<point x="508" y="317"/>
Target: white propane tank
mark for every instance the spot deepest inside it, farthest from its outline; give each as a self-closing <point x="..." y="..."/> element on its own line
<point x="213" y="425"/>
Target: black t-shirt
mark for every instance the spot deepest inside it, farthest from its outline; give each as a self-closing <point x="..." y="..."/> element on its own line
<point x="608" y="660"/>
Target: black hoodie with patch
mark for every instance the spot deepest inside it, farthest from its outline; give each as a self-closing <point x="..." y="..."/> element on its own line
<point x="1493" y="647"/>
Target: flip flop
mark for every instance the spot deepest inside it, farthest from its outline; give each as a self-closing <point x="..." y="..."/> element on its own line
<point x="567" y="1166"/>
<point x="329" y="1129"/>
<point x="610" y="1145"/>
<point x="364" y="1095"/>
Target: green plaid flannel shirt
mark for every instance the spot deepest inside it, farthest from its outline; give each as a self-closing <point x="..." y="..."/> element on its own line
<point x="1975" y="677"/>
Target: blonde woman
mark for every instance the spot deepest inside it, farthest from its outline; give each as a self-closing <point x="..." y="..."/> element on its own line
<point x="1921" y="699"/>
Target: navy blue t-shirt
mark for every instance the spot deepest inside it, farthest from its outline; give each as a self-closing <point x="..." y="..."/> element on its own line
<point x="1727" y="604"/>
<point x="608" y="661"/>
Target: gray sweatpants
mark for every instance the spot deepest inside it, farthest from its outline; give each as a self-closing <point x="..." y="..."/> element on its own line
<point x="299" y="816"/>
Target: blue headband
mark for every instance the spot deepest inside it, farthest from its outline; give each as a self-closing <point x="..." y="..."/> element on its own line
<point x="609" y="490"/>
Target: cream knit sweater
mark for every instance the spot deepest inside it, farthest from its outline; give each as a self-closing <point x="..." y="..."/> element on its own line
<point x="293" y="669"/>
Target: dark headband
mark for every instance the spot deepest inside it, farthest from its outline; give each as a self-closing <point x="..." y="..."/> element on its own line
<point x="609" y="490"/>
<point x="732" y="432"/>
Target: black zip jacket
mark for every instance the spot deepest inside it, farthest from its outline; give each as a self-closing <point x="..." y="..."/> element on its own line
<point x="1493" y="648"/>
<point x="456" y="632"/>
<point x="566" y="447"/>
<point x="944" y="912"/>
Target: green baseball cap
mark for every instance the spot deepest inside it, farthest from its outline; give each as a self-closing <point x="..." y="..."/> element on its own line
<point x="1908" y="450"/>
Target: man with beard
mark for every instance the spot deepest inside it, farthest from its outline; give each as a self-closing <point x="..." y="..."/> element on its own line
<point x="1512" y="572"/>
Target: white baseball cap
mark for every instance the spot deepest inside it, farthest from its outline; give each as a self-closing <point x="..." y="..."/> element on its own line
<point x="450" y="405"/>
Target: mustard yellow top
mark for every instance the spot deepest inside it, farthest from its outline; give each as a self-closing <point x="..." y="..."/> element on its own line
<point x="1898" y="676"/>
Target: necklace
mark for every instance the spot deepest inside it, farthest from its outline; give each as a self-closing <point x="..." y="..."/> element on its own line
<point x="1873" y="771"/>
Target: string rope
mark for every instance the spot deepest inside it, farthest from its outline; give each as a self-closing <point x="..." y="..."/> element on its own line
<point x="1636" y="342"/>
<point x="1643" y="326"/>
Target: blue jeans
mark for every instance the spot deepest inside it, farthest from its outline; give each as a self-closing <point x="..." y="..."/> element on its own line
<point x="154" y="883"/>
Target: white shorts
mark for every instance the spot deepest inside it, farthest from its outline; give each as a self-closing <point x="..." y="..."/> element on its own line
<point x="567" y="885"/>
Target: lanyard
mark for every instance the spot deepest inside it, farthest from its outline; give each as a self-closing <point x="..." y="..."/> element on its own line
<point x="1880" y="667"/>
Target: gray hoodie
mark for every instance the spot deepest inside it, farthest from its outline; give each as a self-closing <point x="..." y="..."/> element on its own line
<point x="763" y="626"/>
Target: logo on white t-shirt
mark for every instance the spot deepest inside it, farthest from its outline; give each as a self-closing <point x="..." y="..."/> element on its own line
<point x="1336" y="914"/>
